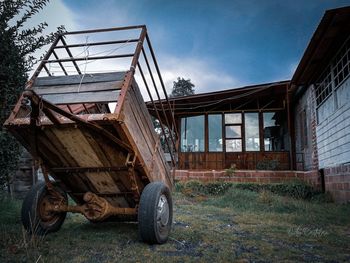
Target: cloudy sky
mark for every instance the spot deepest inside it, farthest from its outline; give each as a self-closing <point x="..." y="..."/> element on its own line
<point x="217" y="44"/>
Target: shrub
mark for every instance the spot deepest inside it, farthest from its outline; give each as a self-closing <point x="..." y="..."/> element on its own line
<point x="267" y="164"/>
<point x="195" y="188"/>
<point x="265" y="197"/>
<point x="231" y="171"/>
<point x="297" y="189"/>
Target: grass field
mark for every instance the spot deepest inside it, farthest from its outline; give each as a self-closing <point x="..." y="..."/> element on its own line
<point x="240" y="226"/>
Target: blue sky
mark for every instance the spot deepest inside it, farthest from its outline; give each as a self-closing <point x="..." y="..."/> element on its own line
<point x="218" y="44"/>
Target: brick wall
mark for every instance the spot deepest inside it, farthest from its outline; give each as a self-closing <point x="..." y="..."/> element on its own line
<point x="249" y="176"/>
<point x="337" y="179"/>
<point x="337" y="182"/>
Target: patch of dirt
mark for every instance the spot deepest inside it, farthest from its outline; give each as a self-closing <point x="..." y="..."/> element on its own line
<point x="306" y="250"/>
<point x="240" y="249"/>
<point x="184" y="248"/>
<point x="180" y="224"/>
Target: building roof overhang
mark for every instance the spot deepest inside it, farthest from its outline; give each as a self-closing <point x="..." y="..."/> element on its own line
<point x="329" y="36"/>
<point x="211" y="101"/>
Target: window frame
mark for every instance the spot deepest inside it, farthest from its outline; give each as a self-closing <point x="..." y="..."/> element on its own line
<point x="204" y="132"/>
<point x="333" y="71"/>
<point x="259" y="128"/>
<point x="233" y="124"/>
<point x="207" y="149"/>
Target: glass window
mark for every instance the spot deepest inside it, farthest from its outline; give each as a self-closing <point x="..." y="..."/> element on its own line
<point x="233" y="118"/>
<point x="323" y="88"/>
<point x="252" y="139"/>
<point x="233" y="131"/>
<point x="215" y="132"/>
<point x="334" y="74"/>
<point x="233" y="145"/>
<point x="274" y="136"/>
<point x="341" y="64"/>
<point x="192" y="134"/>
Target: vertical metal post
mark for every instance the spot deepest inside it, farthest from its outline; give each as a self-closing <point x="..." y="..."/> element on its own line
<point x="130" y="74"/>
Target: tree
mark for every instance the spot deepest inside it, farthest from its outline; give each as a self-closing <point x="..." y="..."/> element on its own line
<point x="182" y="87"/>
<point x="16" y="58"/>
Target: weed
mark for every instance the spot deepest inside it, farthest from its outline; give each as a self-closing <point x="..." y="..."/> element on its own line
<point x="231" y="171"/>
<point x="296" y="189"/>
<point x="267" y="164"/>
<point x="195" y="188"/>
<point x="265" y="197"/>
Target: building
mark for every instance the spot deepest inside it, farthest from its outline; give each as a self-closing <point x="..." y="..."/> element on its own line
<point x="246" y="127"/>
<point x="277" y="131"/>
<point x="320" y="91"/>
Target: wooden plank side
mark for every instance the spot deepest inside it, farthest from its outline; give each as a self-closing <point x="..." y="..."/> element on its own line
<point x="114" y="158"/>
<point x="130" y="130"/>
<point x="104" y="156"/>
<point x="74" y="182"/>
<point x="77" y="79"/>
<point x="158" y="153"/>
<point x="82" y="152"/>
<point x="83" y="97"/>
<point x="143" y="108"/>
<point x="150" y="126"/>
<point x="138" y="135"/>
<point x="146" y="135"/>
<point x="58" y="89"/>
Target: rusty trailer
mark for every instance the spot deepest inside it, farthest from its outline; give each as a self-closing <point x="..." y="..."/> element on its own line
<point x="109" y="161"/>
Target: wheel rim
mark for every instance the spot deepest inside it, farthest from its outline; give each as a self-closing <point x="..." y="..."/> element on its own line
<point x="162" y="212"/>
<point x="47" y="218"/>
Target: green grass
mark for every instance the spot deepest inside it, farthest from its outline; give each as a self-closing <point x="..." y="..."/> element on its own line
<point x="237" y="225"/>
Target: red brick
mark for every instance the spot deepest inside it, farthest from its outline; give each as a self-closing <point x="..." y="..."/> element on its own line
<point x="199" y="174"/>
<point x="300" y="174"/>
<point x="289" y="174"/>
<point x="255" y="174"/>
<point x="239" y="173"/>
<point x="251" y="180"/>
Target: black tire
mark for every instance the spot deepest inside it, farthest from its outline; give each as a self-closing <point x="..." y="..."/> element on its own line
<point x="155" y="224"/>
<point x="32" y="219"/>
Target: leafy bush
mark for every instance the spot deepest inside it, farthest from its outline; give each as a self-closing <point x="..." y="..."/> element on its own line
<point x="18" y="44"/>
<point x="265" y="197"/>
<point x="231" y="171"/>
<point x="267" y="164"/>
<point x="295" y="189"/>
<point x="298" y="189"/>
<point x="194" y="188"/>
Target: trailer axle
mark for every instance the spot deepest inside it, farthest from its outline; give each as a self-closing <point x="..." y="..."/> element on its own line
<point x="95" y="209"/>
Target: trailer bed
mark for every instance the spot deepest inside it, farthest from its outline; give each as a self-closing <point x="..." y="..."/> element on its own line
<point x="110" y="162"/>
